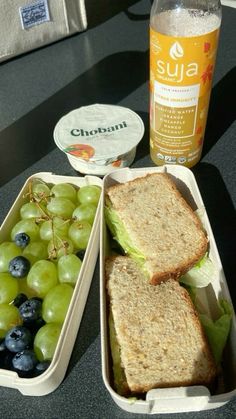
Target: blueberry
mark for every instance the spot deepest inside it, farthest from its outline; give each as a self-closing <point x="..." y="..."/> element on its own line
<point x="19" y="267"/>
<point x="31" y="310"/>
<point x="41" y="367"/>
<point x="22" y="239"/>
<point x="18" y="338"/>
<point x="20" y="299"/>
<point x="24" y="361"/>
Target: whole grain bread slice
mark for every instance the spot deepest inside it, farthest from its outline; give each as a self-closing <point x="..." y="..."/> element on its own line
<point x="160" y="337"/>
<point x="160" y="224"/>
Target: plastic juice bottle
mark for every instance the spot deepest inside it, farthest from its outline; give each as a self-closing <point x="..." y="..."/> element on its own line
<point x="183" y="45"/>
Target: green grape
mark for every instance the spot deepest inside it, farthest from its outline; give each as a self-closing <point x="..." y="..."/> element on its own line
<point x="26" y="226"/>
<point x="8" y="251"/>
<point x="56" y="303"/>
<point x="41" y="191"/>
<point x="79" y="233"/>
<point x="61" y="207"/>
<point x="25" y="289"/>
<point x="9" y="317"/>
<point x="54" y="227"/>
<point x="64" y="190"/>
<point x="45" y="341"/>
<point x="35" y="251"/>
<point x="32" y="210"/>
<point x="42" y="277"/>
<point x="85" y="212"/>
<point x="68" y="269"/>
<point x="9" y="288"/>
<point x="89" y="194"/>
<point x="60" y="246"/>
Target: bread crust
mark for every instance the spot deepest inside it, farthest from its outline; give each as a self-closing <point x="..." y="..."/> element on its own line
<point x="159" y="197"/>
<point x="162" y="342"/>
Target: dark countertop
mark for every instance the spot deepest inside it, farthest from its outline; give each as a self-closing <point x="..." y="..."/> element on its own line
<point x="108" y="63"/>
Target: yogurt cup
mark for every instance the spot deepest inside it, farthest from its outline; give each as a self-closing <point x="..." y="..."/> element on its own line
<point x="98" y="138"/>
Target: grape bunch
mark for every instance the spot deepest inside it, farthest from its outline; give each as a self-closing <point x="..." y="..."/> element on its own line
<point x="39" y="267"/>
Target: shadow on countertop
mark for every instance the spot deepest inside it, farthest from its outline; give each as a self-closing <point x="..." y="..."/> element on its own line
<point x="222" y="110"/>
<point x="221" y="214"/>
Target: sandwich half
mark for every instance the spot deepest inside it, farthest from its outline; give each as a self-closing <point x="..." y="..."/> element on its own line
<point x="156" y="337"/>
<point x="154" y="224"/>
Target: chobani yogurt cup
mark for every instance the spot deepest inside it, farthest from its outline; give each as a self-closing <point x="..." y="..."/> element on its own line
<point x="99" y="138"/>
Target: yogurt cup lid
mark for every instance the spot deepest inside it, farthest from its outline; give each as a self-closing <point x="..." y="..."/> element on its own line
<point x="98" y="132"/>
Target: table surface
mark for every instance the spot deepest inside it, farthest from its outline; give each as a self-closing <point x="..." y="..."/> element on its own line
<point x="108" y="63"/>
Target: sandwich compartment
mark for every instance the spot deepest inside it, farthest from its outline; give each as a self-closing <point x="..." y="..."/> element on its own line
<point x="178" y="399"/>
<point x="53" y="376"/>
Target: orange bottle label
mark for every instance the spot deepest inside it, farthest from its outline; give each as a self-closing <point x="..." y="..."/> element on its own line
<point x="181" y="71"/>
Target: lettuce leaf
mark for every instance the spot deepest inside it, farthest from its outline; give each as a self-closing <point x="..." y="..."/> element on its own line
<point x="217" y="331"/>
<point x="120" y="234"/>
<point x="201" y="274"/>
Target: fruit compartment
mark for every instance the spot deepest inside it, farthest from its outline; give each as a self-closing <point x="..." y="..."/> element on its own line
<point x="179" y="399"/>
<point x="49" y="380"/>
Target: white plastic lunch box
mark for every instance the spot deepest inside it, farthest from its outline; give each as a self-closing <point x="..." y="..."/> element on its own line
<point x="52" y="377"/>
<point x="179" y="399"/>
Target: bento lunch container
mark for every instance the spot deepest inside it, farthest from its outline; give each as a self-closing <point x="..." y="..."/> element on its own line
<point x="52" y="377"/>
<point x="178" y="399"/>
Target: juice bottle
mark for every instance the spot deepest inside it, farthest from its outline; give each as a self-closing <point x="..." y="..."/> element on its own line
<point x="183" y="45"/>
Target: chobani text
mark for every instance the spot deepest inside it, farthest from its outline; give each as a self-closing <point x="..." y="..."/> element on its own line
<point x="80" y="132"/>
